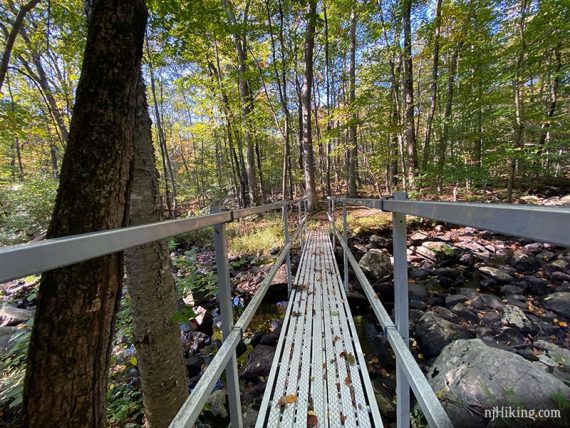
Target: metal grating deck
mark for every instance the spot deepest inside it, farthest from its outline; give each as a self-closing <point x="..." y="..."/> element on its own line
<point x="319" y="375"/>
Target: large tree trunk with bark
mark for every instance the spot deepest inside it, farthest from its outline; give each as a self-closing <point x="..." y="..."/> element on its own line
<point x="69" y="354"/>
<point x="151" y="287"/>
<point x="309" y="157"/>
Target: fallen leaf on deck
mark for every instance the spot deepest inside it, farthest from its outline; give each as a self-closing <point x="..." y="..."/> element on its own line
<point x="287" y="399"/>
<point x="312" y="419"/>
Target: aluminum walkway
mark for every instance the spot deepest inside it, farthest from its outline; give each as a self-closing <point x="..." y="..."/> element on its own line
<point x="319" y="376"/>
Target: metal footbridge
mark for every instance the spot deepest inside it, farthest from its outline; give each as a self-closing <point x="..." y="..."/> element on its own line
<point x="319" y="376"/>
<point x="319" y="365"/>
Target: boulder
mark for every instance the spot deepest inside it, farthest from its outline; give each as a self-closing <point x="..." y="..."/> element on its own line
<point x="522" y="261"/>
<point x="436" y="251"/>
<point x="559" y="303"/>
<point x="454" y="299"/>
<point x="513" y="316"/>
<point x="496" y="274"/>
<point x="376" y="263"/>
<point x="465" y="313"/>
<point x="417" y="291"/>
<point x="433" y="333"/>
<point x="559" y="276"/>
<point x="470" y="376"/>
<point x="379" y="242"/>
<point x="6" y="337"/>
<point x="559" y="264"/>
<point x="557" y="354"/>
<point x="217" y="403"/>
<point x="258" y="363"/>
<point x="10" y="315"/>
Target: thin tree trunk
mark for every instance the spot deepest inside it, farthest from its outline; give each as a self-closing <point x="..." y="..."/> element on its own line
<point x="519" y="106"/>
<point x="448" y="111"/>
<point x="246" y="96"/>
<point x="309" y="162"/>
<point x="168" y="179"/>
<point x="11" y="39"/>
<point x="328" y="91"/>
<point x="41" y="77"/>
<point x="151" y="287"/>
<point x="237" y="155"/>
<point x="551" y="105"/>
<point x="70" y="346"/>
<point x="434" y="75"/>
<point x="16" y="153"/>
<point x="352" y="152"/>
<point x="409" y="133"/>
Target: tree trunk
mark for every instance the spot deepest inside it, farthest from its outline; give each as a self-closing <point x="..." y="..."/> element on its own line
<point x="167" y="170"/>
<point x="328" y="91"/>
<point x="70" y="346"/>
<point x="237" y="155"/>
<point x="448" y="111"/>
<point x="246" y="97"/>
<point x="151" y="287"/>
<point x="519" y="106"/>
<point x="434" y="74"/>
<point x="16" y="27"/>
<point x="551" y="104"/>
<point x="41" y="78"/>
<point x="409" y="133"/>
<point x="309" y="161"/>
<point x="352" y="142"/>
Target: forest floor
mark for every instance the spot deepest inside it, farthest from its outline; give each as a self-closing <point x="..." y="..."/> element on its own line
<point x="460" y="278"/>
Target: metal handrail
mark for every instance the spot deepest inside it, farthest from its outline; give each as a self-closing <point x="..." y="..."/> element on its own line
<point x="542" y="223"/>
<point x="549" y="224"/>
<point x="21" y="260"/>
<point x="428" y="401"/>
<point x="193" y="405"/>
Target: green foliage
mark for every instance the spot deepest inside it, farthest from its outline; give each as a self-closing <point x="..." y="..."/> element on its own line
<point x="256" y="237"/>
<point x="13" y="369"/>
<point x="25" y="209"/>
<point x="192" y="278"/>
<point x="124" y="398"/>
<point x="195" y="238"/>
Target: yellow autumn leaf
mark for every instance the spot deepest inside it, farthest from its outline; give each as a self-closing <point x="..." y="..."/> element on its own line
<point x="291" y="398"/>
<point x="133" y="360"/>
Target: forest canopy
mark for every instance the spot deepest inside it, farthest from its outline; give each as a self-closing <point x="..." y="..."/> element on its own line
<point x="405" y="95"/>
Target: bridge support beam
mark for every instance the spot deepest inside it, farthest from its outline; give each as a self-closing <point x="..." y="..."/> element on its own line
<point x="287" y="240"/>
<point x="226" y="312"/>
<point x="401" y="309"/>
<point x="345" y="237"/>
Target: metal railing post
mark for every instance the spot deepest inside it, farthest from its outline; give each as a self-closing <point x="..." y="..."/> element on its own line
<point x="300" y="225"/>
<point x="401" y="309"/>
<point x="285" y="210"/>
<point x="226" y="312"/>
<point x="345" y="237"/>
<point x="333" y="226"/>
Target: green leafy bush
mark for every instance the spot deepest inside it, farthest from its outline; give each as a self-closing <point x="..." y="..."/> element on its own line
<point x="26" y="209"/>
